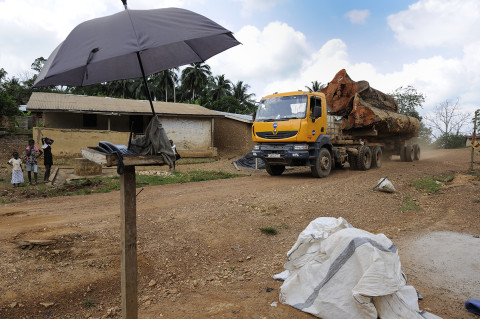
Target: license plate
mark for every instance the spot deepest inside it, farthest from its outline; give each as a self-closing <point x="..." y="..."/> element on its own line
<point x="273" y="155"/>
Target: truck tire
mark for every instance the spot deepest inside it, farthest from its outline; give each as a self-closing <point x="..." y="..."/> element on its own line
<point x="364" y="160"/>
<point x="377" y="157"/>
<point x="402" y="153"/>
<point x="416" y="152"/>
<point x="352" y="160"/>
<point x="274" y="170"/>
<point x="323" y="164"/>
<point x="409" y="153"/>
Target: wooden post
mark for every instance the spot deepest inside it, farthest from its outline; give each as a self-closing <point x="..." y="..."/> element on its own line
<point x="474" y="137"/>
<point x="128" y="231"/>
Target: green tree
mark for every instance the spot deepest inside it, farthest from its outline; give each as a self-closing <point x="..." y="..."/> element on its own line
<point x="38" y="64"/>
<point x="408" y="100"/>
<point x="8" y="106"/>
<point x="449" y="140"/>
<point x="247" y="102"/>
<point x="195" y="77"/>
<point x="316" y="86"/>
<point x="227" y="104"/>
<point x="164" y="80"/>
<point x="221" y="87"/>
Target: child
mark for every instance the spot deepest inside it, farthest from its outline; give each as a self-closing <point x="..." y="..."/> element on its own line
<point x="17" y="171"/>
<point x="47" y="157"/>
<point x="177" y="156"/>
<point x="30" y="156"/>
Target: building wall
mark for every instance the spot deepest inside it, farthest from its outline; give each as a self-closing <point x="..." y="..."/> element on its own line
<point x="189" y="133"/>
<point x="69" y="142"/>
<point x="233" y="137"/>
<point x="192" y="136"/>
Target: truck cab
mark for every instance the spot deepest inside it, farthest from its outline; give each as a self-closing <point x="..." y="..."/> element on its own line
<point x="290" y="129"/>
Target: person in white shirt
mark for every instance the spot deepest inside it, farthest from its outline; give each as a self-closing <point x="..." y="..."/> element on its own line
<point x="17" y="171"/>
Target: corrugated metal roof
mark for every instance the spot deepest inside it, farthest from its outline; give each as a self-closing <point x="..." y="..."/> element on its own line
<point x="56" y="102"/>
<point x="238" y="117"/>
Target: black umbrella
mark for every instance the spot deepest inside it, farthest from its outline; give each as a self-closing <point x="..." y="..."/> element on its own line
<point x="133" y="44"/>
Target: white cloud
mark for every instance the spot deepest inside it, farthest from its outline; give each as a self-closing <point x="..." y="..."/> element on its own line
<point x="277" y="51"/>
<point x="357" y="16"/>
<point x="437" y="23"/>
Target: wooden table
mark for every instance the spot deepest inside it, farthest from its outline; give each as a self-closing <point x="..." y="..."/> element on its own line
<point x="128" y="221"/>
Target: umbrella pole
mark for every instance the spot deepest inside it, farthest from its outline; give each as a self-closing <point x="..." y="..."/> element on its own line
<point x="145" y="83"/>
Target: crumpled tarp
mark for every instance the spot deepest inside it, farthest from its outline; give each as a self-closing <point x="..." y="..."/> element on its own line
<point x="249" y="161"/>
<point x="154" y="142"/>
<point x="337" y="271"/>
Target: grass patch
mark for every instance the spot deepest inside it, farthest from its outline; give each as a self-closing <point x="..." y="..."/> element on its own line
<point x="409" y="205"/>
<point x="432" y="184"/>
<point x="269" y="230"/>
<point x="89" y="303"/>
<point x="4" y="201"/>
<point x="182" y="177"/>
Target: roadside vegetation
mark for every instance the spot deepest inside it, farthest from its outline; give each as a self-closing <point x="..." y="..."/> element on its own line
<point x="432" y="184"/>
<point x="87" y="186"/>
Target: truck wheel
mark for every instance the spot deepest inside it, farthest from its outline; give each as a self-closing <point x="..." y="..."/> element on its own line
<point x="274" y="170"/>
<point x="402" y="153"/>
<point x="352" y="160"/>
<point x="377" y="158"/>
<point x="364" y="160"/>
<point x="323" y="164"/>
<point x="409" y="153"/>
<point x="416" y="152"/>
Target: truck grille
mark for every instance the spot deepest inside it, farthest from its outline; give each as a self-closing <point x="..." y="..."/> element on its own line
<point x="279" y="135"/>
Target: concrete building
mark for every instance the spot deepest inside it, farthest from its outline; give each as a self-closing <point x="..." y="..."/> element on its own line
<point x="75" y="122"/>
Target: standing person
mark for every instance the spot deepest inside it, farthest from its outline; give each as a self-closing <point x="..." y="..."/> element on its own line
<point x="17" y="171"/>
<point x="47" y="157"/>
<point x="177" y="156"/>
<point x="30" y="156"/>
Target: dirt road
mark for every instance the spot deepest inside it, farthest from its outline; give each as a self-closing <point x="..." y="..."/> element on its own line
<point x="201" y="253"/>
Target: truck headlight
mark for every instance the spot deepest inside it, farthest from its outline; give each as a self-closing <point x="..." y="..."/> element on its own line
<point x="256" y="147"/>
<point x="300" y="147"/>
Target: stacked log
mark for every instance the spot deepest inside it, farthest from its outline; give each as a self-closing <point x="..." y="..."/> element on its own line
<point x="364" y="108"/>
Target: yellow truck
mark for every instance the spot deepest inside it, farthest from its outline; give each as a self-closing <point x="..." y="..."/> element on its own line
<point x="357" y="126"/>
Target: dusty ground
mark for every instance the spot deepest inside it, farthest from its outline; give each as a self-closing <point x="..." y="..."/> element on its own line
<point x="201" y="253"/>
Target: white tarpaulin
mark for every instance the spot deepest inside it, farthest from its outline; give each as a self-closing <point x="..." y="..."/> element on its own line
<point x="335" y="271"/>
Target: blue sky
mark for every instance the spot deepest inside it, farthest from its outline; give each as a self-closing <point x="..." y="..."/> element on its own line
<point x="433" y="45"/>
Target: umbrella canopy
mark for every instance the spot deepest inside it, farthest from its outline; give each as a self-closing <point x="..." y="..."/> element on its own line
<point x="132" y="44"/>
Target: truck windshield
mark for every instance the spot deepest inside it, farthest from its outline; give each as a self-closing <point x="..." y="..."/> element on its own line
<point x="282" y="108"/>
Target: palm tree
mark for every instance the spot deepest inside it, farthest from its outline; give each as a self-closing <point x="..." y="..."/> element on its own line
<point x="221" y="87"/>
<point x="316" y="86"/>
<point x="195" y="77"/>
<point x="117" y="89"/>
<point x="246" y="99"/>
<point x="161" y="81"/>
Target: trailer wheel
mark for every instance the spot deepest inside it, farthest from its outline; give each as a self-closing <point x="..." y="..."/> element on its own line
<point x="377" y="158"/>
<point x="364" y="160"/>
<point x="409" y="153"/>
<point x="274" y="170"/>
<point x="416" y="152"/>
<point x="323" y="164"/>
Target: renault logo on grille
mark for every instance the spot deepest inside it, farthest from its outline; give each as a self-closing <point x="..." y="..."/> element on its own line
<point x="275" y="131"/>
<point x="275" y="128"/>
